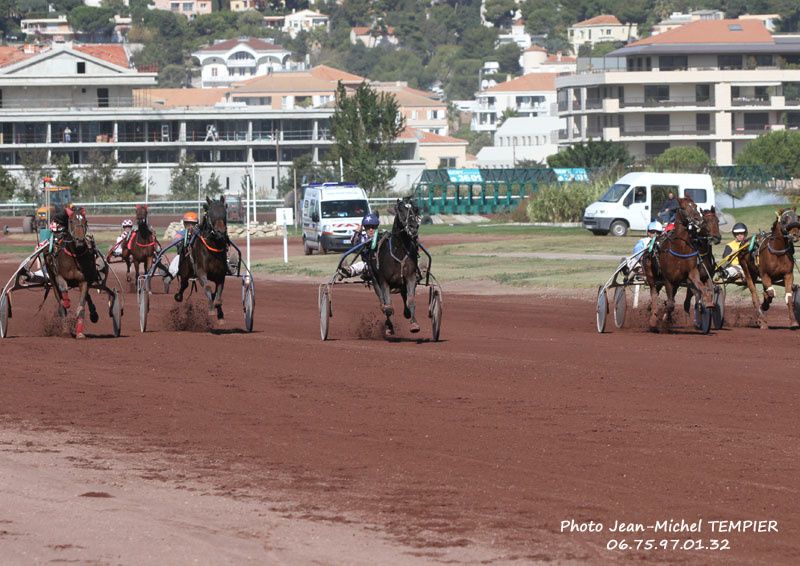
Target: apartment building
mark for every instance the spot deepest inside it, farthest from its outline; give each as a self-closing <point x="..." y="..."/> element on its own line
<point x="188" y="8"/>
<point x="64" y="102"/>
<point x="239" y="59"/>
<point x="51" y="29"/>
<point x="600" y="29"/>
<point x="716" y="84"/>
<point x="373" y="36"/>
<point x="535" y="59"/>
<point x="530" y="95"/>
<point x="421" y="110"/>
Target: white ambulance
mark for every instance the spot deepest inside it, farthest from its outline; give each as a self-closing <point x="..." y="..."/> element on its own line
<point x="330" y="213"/>
<point x="637" y="198"/>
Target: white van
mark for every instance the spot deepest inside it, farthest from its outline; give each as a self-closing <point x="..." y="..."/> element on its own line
<point x="637" y="198"/>
<point x="331" y="212"/>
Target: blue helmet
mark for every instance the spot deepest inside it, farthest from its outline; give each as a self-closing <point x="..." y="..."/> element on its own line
<point x="655" y="226"/>
<point x="370" y="219"/>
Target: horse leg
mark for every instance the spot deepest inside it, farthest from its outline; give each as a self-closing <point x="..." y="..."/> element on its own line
<point x="63" y="290"/>
<point x="769" y="291"/>
<point x="127" y="269"/>
<point x="93" y="316"/>
<point x="671" y="290"/>
<point x="184" y="284"/>
<point x="385" y="297"/>
<point x="218" y="300"/>
<point x="410" y="299"/>
<point x="209" y="292"/>
<point x="788" y="281"/>
<point x="79" y="325"/>
<point x="653" y="308"/>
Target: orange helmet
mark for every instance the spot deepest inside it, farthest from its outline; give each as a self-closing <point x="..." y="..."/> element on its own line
<point x="190" y="217"/>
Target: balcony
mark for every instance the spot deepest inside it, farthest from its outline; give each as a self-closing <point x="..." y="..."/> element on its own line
<point x="750" y="101"/>
<point x="665" y="103"/>
<point x="240" y="63"/>
<point x="564" y="105"/>
<point x="562" y="135"/>
<point x="594" y="103"/>
<point x="659" y="131"/>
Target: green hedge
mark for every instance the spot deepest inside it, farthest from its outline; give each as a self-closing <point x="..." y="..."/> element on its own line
<point x="565" y="202"/>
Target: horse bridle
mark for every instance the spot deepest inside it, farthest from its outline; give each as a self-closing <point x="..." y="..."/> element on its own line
<point x="789" y="221"/>
<point x="406" y="220"/>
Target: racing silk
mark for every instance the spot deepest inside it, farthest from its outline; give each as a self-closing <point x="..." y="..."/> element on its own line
<point x="641" y="245"/>
<point x="122" y="237"/>
<point x="733" y="247"/>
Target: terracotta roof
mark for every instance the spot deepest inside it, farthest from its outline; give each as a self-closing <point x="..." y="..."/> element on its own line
<point x="364" y="30"/>
<point x="554" y="59"/>
<point x="535" y="48"/>
<point x="113" y="53"/>
<point x="601" y="20"/>
<point x="12" y="54"/>
<point x="712" y="31"/>
<point x="409" y="97"/>
<point x="428" y="137"/>
<point x="254" y="43"/>
<point x="178" y="97"/>
<point x="284" y="82"/>
<point x="334" y="75"/>
<point x="527" y="83"/>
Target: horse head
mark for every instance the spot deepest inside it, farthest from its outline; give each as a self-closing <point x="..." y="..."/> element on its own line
<point x="141" y="214"/>
<point x="407" y="217"/>
<point x="710" y="226"/>
<point x="789" y="222"/>
<point x="77" y="226"/>
<point x="689" y="215"/>
<point x="216" y="217"/>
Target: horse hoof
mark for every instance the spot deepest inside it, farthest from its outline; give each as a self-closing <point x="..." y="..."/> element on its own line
<point x="406" y="313"/>
<point x="388" y="310"/>
<point x="414" y="327"/>
<point x="80" y="336"/>
<point x="94" y="317"/>
<point x="178" y="297"/>
<point x="388" y="331"/>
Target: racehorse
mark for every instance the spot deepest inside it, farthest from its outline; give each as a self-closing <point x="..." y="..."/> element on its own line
<point x="206" y="255"/>
<point x="73" y="263"/>
<point x="707" y="235"/>
<point x="140" y="246"/>
<point x="771" y="257"/>
<point x="676" y="261"/>
<point x="394" y="264"/>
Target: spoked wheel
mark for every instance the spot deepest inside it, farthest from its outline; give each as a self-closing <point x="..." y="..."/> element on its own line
<point x="435" y="312"/>
<point x="143" y="297"/>
<point x="702" y="317"/>
<point x="796" y="301"/>
<point x="249" y="306"/>
<point x="116" y="314"/>
<point x="325" y="311"/>
<point x="5" y="314"/>
<point x="167" y="281"/>
<point x="602" y="309"/>
<point x="719" y="303"/>
<point x="620" y="307"/>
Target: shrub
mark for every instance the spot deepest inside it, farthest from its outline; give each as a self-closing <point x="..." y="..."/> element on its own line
<point x="520" y="214"/>
<point x="564" y="202"/>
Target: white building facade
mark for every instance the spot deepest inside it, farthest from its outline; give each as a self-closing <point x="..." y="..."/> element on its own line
<point x="713" y="84"/>
<point x="527" y="96"/>
<point x="522" y="139"/>
<point x="234" y="60"/>
<point x="600" y="29"/>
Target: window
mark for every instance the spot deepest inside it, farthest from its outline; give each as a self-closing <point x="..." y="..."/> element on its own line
<point x="188" y="6"/>
<point x="755" y="121"/>
<point x="702" y="93"/>
<point x="656" y="122"/>
<point x="413" y="114"/>
<point x="640" y="194"/>
<point x="102" y="98"/>
<point x="81" y="68"/>
<point x="764" y="61"/>
<point x="654" y="149"/>
<point x="344" y="208"/>
<point x="703" y="122"/>
<point x="673" y="62"/>
<point x="447" y="163"/>
<point x="697" y="195"/>
<point x="175" y="6"/>
<point x="656" y="93"/>
<point x="729" y="61"/>
<point x="213" y="71"/>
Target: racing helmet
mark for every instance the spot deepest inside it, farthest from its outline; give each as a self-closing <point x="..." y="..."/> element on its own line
<point x="190" y="216"/>
<point x="655" y="226"/>
<point x="370" y="220"/>
<point x="739" y="228"/>
<point x="127" y="223"/>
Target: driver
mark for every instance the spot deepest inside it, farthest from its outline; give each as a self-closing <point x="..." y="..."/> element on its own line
<point x="734" y="271"/>
<point x="654" y="230"/>
<point x="116" y="249"/>
<point x="367" y="232"/>
<point x="189" y="225"/>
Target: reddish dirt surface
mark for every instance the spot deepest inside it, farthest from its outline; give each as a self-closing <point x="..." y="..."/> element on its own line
<point x="521" y="418"/>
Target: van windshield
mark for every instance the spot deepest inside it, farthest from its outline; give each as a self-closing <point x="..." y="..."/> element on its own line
<point x="614" y="193"/>
<point x="344" y="208"/>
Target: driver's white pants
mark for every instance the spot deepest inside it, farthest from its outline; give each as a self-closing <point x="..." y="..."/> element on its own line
<point x="173" y="265"/>
<point x="357" y="268"/>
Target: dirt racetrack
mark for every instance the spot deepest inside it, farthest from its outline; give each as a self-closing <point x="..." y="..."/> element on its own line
<point x="472" y="449"/>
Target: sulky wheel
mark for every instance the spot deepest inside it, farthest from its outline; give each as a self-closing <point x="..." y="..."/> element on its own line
<point x="796" y="301"/>
<point x="435" y="312"/>
<point x="144" y="307"/>
<point x="116" y="314"/>
<point x="602" y="309"/>
<point x="324" y="312"/>
<point x="5" y="314"/>
<point x="249" y="307"/>
<point x="703" y="317"/>
<point x="718" y="317"/>
<point x="620" y="307"/>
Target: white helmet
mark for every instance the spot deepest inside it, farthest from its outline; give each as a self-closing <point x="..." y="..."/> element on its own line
<point x="655" y="226"/>
<point x="127" y="223"/>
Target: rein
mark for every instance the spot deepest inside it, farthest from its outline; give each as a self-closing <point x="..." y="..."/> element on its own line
<point x="208" y="247"/>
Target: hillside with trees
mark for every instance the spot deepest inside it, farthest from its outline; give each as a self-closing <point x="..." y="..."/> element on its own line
<point x="440" y="42"/>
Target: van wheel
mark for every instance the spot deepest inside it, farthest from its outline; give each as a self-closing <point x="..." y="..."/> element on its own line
<point x="306" y="249"/>
<point x="618" y="228"/>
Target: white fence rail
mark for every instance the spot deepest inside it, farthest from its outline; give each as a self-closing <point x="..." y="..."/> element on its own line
<point x="156" y="207"/>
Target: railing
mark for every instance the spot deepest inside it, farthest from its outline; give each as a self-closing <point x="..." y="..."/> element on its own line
<point x="668" y="131"/>
<point x="154" y="206"/>
<point x="562" y="135"/>
<point x="594" y="103"/>
<point x="672" y="101"/>
<point x="752" y="130"/>
<point x="751" y="101"/>
<point x="563" y="106"/>
<point x="240" y="63"/>
<point x="36" y="104"/>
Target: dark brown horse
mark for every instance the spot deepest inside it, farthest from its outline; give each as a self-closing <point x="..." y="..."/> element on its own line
<point x="771" y="257"/>
<point x="394" y="265"/>
<point x="206" y="255"/>
<point x="707" y="235"/>
<point x="140" y="246"/>
<point x="72" y="262"/>
<point x="677" y="261"/>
